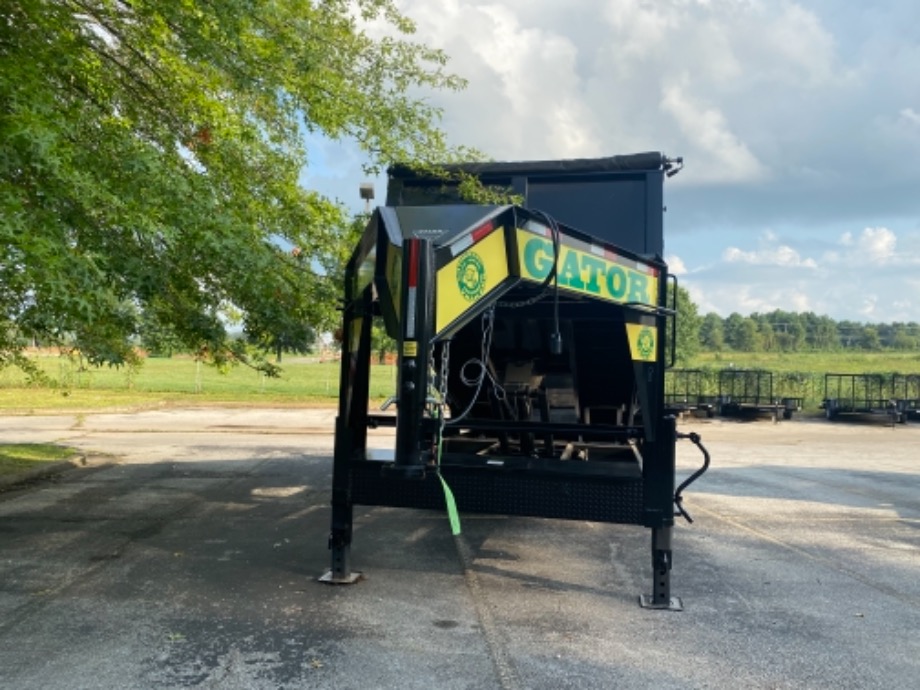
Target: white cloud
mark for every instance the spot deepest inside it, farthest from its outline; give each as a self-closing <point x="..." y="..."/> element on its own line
<point x="872" y="245"/>
<point x="747" y="299"/>
<point x="676" y="265"/>
<point x="782" y="255"/>
<point x="910" y="117"/>
<point x="868" y="307"/>
<point x="727" y="159"/>
<point x="597" y="77"/>
<point x="753" y="94"/>
<point x="803" y="50"/>
<point x="865" y="277"/>
<point x="524" y="95"/>
<point x="514" y="62"/>
<point x="877" y="244"/>
<point x="643" y="28"/>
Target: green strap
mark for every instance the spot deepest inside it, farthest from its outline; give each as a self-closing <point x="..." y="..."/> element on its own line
<point x="452" y="513"/>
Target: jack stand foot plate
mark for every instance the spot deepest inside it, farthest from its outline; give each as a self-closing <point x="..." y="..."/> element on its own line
<point x="330" y="579"/>
<point x="674" y="604"/>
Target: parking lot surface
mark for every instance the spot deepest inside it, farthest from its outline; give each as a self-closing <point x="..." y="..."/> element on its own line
<point x="188" y="557"/>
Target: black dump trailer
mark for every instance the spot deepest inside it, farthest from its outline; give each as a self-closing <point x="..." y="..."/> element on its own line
<point x="531" y="352"/>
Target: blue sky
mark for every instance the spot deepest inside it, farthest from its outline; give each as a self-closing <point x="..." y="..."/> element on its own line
<point x="799" y="123"/>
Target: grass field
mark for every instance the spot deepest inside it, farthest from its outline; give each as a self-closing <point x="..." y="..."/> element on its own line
<point x="304" y="382"/>
<point x="179" y="381"/>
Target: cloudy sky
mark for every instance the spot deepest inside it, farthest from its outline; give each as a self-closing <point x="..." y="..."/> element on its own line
<point x="799" y="124"/>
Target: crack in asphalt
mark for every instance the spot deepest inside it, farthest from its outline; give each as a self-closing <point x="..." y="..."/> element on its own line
<point x="498" y="652"/>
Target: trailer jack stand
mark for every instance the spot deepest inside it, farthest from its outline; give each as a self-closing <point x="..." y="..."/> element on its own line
<point x="646" y="601"/>
<point x="340" y="573"/>
<point x="330" y="578"/>
<point x="337" y="577"/>
<point x="661" y="598"/>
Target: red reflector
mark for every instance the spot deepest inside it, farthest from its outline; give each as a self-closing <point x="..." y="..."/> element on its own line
<point x="413" y="263"/>
<point x="483" y="230"/>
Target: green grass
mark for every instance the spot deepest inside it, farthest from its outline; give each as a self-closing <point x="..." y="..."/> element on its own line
<point x="304" y="382"/>
<point x="180" y="381"/>
<point x="15" y="458"/>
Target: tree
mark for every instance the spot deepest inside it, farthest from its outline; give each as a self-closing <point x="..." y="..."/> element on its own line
<point x="825" y="334"/>
<point x="902" y="339"/>
<point x="749" y="337"/>
<point x="869" y="340"/>
<point x="158" y="339"/>
<point x="798" y="332"/>
<point x="299" y="341"/>
<point x="732" y="328"/>
<point x="381" y="342"/>
<point x="687" y="339"/>
<point x="769" y="339"/>
<point x="850" y="332"/>
<point x="151" y="157"/>
<point x="712" y="334"/>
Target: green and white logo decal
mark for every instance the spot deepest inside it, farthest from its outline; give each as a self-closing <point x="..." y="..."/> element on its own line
<point x="645" y="343"/>
<point x="471" y="276"/>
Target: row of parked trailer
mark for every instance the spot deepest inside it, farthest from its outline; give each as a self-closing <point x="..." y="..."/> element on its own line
<point x="748" y="392"/>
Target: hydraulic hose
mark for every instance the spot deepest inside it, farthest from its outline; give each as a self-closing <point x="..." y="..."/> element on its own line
<point x="695" y="439"/>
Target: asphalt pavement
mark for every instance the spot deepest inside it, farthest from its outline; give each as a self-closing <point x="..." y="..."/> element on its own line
<point x="186" y="554"/>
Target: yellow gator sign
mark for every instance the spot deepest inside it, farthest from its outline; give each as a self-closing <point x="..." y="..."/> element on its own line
<point x="473" y="273"/>
<point x="643" y="342"/>
<point x="597" y="272"/>
<point x="469" y="277"/>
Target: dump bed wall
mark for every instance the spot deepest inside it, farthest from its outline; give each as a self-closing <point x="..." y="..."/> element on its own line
<point x="618" y="199"/>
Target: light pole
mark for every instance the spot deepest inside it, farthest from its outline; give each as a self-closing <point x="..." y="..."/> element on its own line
<point x="367" y="193"/>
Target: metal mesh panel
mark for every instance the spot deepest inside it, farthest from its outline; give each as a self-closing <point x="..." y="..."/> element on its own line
<point x="595" y="499"/>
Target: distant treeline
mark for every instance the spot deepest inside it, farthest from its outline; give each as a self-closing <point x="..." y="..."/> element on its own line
<point x="783" y="331"/>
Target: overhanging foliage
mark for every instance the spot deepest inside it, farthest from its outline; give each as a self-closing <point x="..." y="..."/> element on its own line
<point x="151" y="156"/>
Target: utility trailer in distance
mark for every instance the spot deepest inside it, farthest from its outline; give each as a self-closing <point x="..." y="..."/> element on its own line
<point x="683" y="392"/>
<point x="851" y="395"/>
<point x="905" y="390"/>
<point x="749" y="392"/>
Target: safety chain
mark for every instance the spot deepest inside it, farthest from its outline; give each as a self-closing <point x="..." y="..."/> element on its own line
<point x="442" y="392"/>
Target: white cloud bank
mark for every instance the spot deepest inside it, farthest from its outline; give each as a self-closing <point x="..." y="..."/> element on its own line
<point x="862" y="276"/>
<point x="800" y="116"/>
<point x="714" y="81"/>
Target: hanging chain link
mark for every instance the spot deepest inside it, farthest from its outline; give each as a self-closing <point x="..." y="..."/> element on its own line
<point x="442" y="389"/>
<point x="445" y="370"/>
<point x="437" y="393"/>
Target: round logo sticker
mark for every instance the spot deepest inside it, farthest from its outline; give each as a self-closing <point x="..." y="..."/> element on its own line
<point x="471" y="276"/>
<point x="645" y="343"/>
